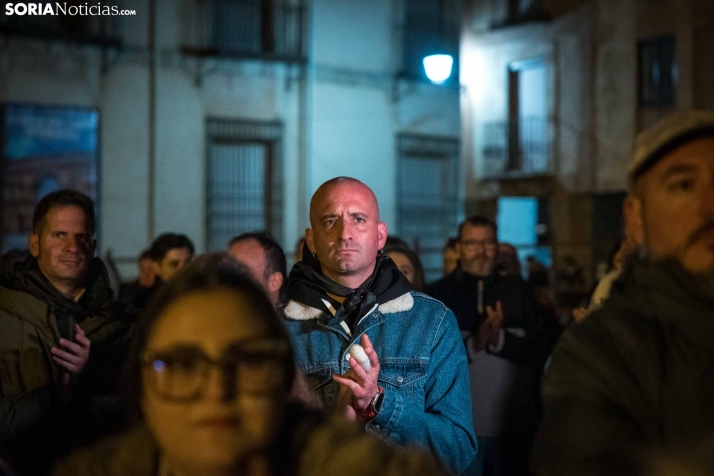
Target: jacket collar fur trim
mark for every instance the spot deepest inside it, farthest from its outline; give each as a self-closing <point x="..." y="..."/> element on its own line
<point x="302" y="312"/>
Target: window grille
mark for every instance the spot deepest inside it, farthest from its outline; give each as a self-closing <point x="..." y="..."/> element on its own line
<point x="249" y="29"/>
<point x="521" y="144"/>
<point x="427" y="196"/>
<point x="656" y="72"/>
<point x="244" y="189"/>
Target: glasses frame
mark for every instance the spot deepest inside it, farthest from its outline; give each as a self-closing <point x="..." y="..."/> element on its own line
<point x="482" y="243"/>
<point x="229" y="368"/>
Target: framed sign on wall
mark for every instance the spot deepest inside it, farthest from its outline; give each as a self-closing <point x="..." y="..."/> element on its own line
<point x="44" y="148"/>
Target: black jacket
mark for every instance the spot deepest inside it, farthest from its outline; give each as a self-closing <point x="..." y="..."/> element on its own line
<point x="634" y="379"/>
<point x="468" y="295"/>
<point x="137" y="296"/>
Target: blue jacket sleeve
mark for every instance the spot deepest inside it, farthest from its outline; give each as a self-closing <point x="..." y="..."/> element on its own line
<point x="443" y="424"/>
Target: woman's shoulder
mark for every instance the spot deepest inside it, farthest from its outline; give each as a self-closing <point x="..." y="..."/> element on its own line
<point x="131" y="452"/>
<point x="338" y="447"/>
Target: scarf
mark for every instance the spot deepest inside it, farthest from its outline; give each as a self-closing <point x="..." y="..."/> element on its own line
<point x="26" y="276"/>
<point x="309" y="285"/>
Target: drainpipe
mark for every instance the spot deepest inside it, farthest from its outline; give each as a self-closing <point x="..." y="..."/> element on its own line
<point x="304" y="118"/>
<point x="153" y="70"/>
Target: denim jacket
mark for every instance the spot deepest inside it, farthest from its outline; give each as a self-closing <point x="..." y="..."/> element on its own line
<point x="423" y="371"/>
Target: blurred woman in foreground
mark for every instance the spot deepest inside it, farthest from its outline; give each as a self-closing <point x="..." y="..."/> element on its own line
<point x="209" y="378"/>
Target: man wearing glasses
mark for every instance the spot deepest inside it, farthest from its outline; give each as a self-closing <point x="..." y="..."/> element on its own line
<point x="499" y="323"/>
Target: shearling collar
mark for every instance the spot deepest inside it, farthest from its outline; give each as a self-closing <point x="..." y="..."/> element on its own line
<point x="302" y="312"/>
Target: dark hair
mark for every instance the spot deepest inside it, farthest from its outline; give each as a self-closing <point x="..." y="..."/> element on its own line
<point x="478" y="220"/>
<point x="167" y="242"/>
<point x="299" y="246"/>
<point x="145" y="255"/>
<point x="216" y="271"/>
<point x="63" y="198"/>
<point x="419" y="283"/>
<point x="9" y="259"/>
<point x="274" y="254"/>
<point x="451" y="242"/>
<point x="395" y="243"/>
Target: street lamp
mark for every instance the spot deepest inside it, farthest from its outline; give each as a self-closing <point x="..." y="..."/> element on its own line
<point x="438" y="67"/>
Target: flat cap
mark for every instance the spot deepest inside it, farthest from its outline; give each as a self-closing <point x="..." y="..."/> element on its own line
<point x="666" y="135"/>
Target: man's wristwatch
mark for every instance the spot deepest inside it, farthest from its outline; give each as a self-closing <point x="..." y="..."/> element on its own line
<point x="372" y="410"/>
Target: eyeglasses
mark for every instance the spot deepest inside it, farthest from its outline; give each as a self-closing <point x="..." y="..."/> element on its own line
<point x="180" y="374"/>
<point x="474" y="243"/>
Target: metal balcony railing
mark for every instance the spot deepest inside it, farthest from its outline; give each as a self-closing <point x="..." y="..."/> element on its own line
<point x="516" y="147"/>
<point x="101" y="30"/>
<point x="244" y="29"/>
<point x="513" y="12"/>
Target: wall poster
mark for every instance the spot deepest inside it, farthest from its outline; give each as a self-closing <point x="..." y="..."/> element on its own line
<point x="44" y="148"/>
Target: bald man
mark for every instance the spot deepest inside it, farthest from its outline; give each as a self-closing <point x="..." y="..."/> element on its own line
<point x="410" y="386"/>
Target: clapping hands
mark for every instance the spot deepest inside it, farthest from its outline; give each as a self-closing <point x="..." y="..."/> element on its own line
<point x="490" y="328"/>
<point x="72" y="359"/>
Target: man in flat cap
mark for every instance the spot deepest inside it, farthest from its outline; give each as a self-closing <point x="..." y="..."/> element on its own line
<point x="635" y="380"/>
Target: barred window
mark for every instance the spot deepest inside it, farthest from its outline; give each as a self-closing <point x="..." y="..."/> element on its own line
<point x="657" y="72"/>
<point x="244" y="189"/>
<point x="427" y="196"/>
<point x="257" y="29"/>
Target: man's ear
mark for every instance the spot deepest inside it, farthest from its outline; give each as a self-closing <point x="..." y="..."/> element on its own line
<point x="94" y="248"/>
<point x="275" y="281"/>
<point x="382" y="233"/>
<point x="634" y="224"/>
<point x="34" y="242"/>
<point x="309" y="240"/>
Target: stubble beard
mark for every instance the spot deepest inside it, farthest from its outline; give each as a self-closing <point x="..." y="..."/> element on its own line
<point x="481" y="266"/>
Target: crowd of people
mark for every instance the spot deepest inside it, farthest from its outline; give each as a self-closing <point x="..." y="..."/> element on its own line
<point x="226" y="364"/>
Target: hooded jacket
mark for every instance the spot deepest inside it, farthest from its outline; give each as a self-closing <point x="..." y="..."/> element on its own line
<point x="36" y="424"/>
<point x="634" y="379"/>
<point x="423" y="367"/>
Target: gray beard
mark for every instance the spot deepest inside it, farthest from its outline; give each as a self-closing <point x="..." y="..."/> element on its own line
<point x="482" y="267"/>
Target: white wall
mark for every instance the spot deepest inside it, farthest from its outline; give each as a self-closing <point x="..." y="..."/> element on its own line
<point x="353" y="34"/>
<point x="180" y="161"/>
<point x="124" y="161"/>
<point x="353" y="135"/>
<point x="615" y="92"/>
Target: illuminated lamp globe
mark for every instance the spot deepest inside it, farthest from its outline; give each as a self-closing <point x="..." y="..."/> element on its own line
<point x="438" y="67"/>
